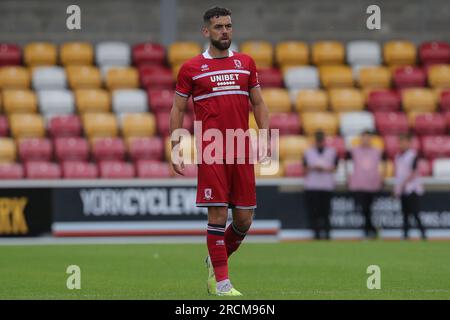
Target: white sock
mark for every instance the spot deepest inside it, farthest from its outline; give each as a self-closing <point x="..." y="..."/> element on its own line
<point x="224" y="285"/>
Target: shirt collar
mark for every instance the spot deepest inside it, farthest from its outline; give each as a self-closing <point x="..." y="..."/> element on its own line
<point x="206" y="54"/>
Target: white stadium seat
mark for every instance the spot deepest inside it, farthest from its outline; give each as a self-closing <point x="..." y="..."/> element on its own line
<point x="441" y="168"/>
<point x="54" y="102"/>
<point x="113" y="53"/>
<point x="129" y="101"/>
<point x="49" y="78"/>
<point x="354" y="123"/>
<point x="363" y="52"/>
<point x="302" y="78"/>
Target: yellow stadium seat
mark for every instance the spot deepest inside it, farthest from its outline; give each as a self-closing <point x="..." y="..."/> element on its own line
<point x="252" y="122"/>
<point x="1" y="103"/>
<point x="376" y="141"/>
<point x="336" y="76"/>
<point x="179" y="52"/>
<point x="7" y="150"/>
<point x="77" y="53"/>
<point x="292" y="147"/>
<point x="187" y="147"/>
<point x="122" y="78"/>
<point x="138" y="125"/>
<point x="27" y="125"/>
<point x="311" y="100"/>
<point x="399" y="53"/>
<point x="412" y="115"/>
<point x="439" y="76"/>
<point x="80" y="77"/>
<point x="328" y="52"/>
<point x="418" y="99"/>
<point x="260" y="51"/>
<point x="14" y="77"/>
<point x="326" y="121"/>
<point x="389" y="169"/>
<point x="19" y="101"/>
<point x="277" y="99"/>
<point x="291" y="53"/>
<point x="40" y="54"/>
<point x="374" y="77"/>
<point x="346" y="99"/>
<point x="92" y="100"/>
<point x="99" y="125"/>
<point x="175" y="69"/>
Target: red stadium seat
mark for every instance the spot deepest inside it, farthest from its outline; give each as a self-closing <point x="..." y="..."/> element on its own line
<point x="79" y="170"/>
<point x="444" y="100"/>
<point x="108" y="149"/>
<point x="190" y="171"/>
<point x="391" y="123"/>
<point x="148" y="148"/>
<point x="392" y="145"/>
<point x="65" y="126"/>
<point x="436" y="147"/>
<point x="156" y="77"/>
<point x="42" y="170"/>
<point x="71" y="149"/>
<point x="160" y="100"/>
<point x="287" y="123"/>
<point x="447" y="119"/>
<point x="409" y="77"/>
<point x="337" y="143"/>
<point x="116" y="170"/>
<point x="153" y="169"/>
<point x="270" y="78"/>
<point x="425" y="167"/>
<point x="434" y="52"/>
<point x="11" y="171"/>
<point x="293" y="169"/>
<point x="384" y="100"/>
<point x="35" y="149"/>
<point x="162" y="122"/>
<point x="430" y="124"/>
<point x="4" y="126"/>
<point x="10" y="54"/>
<point x="148" y="54"/>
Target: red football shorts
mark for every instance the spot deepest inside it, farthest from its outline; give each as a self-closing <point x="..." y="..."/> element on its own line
<point x="231" y="185"/>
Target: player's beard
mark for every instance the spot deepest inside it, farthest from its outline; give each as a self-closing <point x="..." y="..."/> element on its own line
<point x="221" y="45"/>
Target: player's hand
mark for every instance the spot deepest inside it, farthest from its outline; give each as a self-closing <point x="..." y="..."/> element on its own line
<point x="178" y="168"/>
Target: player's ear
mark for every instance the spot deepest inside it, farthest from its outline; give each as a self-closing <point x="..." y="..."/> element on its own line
<point x="205" y="31"/>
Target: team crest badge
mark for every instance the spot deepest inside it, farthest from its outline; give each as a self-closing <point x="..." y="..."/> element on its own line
<point x="204" y="67"/>
<point x="237" y="64"/>
<point x="208" y="194"/>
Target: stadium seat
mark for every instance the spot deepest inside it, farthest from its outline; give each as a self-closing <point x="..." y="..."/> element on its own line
<point x="11" y="171"/>
<point x="4" y="126"/>
<point x="19" y="101"/>
<point x="287" y="123"/>
<point x="149" y="148"/>
<point x="92" y="100"/>
<point x="306" y="77"/>
<point x="409" y="77"/>
<point x="436" y="146"/>
<point x="129" y="101"/>
<point x="14" y="77"/>
<point x="439" y="76"/>
<point x="399" y="53"/>
<point x="270" y="78"/>
<point x="260" y="51"/>
<point x="84" y="77"/>
<point x="152" y="169"/>
<point x="383" y="100"/>
<point x="148" y="53"/>
<point x="10" y="54"/>
<point x="40" y="54"/>
<point x="35" y="149"/>
<point x="334" y="76"/>
<point x="353" y="141"/>
<point x="42" y="170"/>
<point x="138" y="125"/>
<point x="328" y="53"/>
<point x="156" y="77"/>
<point x="374" y="77"/>
<point x="293" y="168"/>
<point x="97" y="125"/>
<point x="363" y="52"/>
<point x="346" y="99"/>
<point x="179" y="52"/>
<point x="311" y="100"/>
<point x="79" y="170"/>
<point x="391" y="123"/>
<point x="292" y="147"/>
<point x="190" y="171"/>
<point x="418" y="99"/>
<point x="430" y="123"/>
<point x="71" y="149"/>
<point x="112" y="53"/>
<point x="424" y="167"/>
<point x="116" y="170"/>
<point x="122" y="78"/>
<point x="24" y="125"/>
<point x="392" y="145"/>
<point x="277" y="99"/>
<point x="441" y="168"/>
<point x="354" y="123"/>
<point x="434" y="52"/>
<point x="160" y="100"/>
<point x="77" y="53"/>
<point x="336" y="142"/>
<point x="291" y="53"/>
<point x="44" y="78"/>
<point x="108" y="149"/>
<point x="56" y="102"/>
<point x="7" y="150"/>
<point x="444" y="100"/>
<point x="325" y="121"/>
<point x="65" y="126"/>
<point x="162" y="123"/>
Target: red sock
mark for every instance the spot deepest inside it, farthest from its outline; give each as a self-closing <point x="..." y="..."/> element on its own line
<point x="217" y="250"/>
<point x="233" y="239"/>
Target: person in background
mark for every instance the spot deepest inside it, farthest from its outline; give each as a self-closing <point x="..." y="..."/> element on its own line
<point x="408" y="186"/>
<point x="320" y="163"/>
<point x="366" y="180"/>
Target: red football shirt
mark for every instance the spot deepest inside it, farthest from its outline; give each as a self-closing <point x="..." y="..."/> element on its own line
<point x="220" y="91"/>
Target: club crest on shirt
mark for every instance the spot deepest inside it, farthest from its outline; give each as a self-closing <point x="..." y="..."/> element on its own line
<point x="204" y="67"/>
<point x="237" y="64"/>
<point x="208" y="194"/>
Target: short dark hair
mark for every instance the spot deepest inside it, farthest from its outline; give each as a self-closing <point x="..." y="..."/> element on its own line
<point x="319" y="135"/>
<point x="367" y="132"/>
<point x="215" y="12"/>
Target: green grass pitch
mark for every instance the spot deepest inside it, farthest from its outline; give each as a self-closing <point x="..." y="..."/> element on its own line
<point x="289" y="270"/>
